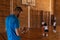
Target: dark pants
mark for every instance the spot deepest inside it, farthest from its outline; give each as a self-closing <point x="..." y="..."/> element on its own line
<point x="54" y="27"/>
<point x="46" y="30"/>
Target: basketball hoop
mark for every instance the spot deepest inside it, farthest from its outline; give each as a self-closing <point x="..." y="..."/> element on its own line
<point x="29" y="3"/>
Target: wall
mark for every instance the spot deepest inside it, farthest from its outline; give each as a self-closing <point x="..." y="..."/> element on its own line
<point x="4" y="11"/>
<point x="40" y="5"/>
<point x="44" y="5"/>
<point x="57" y="11"/>
<point x="24" y="15"/>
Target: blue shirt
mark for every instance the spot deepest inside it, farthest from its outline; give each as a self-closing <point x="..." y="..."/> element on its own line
<point x="12" y="23"/>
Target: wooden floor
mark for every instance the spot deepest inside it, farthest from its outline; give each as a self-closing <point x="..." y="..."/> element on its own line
<point x="36" y="34"/>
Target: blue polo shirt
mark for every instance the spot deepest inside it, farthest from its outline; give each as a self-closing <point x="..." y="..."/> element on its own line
<point x="12" y="23"/>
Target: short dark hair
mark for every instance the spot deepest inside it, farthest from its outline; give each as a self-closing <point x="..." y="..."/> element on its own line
<point x="18" y="9"/>
<point x="45" y="24"/>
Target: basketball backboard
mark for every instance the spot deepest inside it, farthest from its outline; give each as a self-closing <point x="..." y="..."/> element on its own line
<point x="28" y="2"/>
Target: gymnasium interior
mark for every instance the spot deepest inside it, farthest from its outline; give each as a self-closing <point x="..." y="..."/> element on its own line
<point x="34" y="11"/>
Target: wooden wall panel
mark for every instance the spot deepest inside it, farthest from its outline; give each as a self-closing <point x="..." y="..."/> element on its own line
<point x="57" y="10"/>
<point x="4" y="11"/>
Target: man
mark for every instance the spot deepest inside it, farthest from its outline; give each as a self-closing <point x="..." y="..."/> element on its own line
<point x="12" y="25"/>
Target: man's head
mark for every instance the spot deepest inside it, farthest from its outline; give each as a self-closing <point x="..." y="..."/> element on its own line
<point x="17" y="11"/>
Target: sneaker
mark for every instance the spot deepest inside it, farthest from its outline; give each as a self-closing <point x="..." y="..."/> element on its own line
<point x="46" y="35"/>
<point x="43" y="34"/>
<point x="54" y="31"/>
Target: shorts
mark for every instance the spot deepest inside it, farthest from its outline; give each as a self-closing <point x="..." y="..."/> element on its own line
<point x="54" y="27"/>
<point x="46" y="30"/>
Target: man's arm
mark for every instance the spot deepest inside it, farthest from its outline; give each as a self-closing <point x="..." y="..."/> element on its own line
<point x="17" y="31"/>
